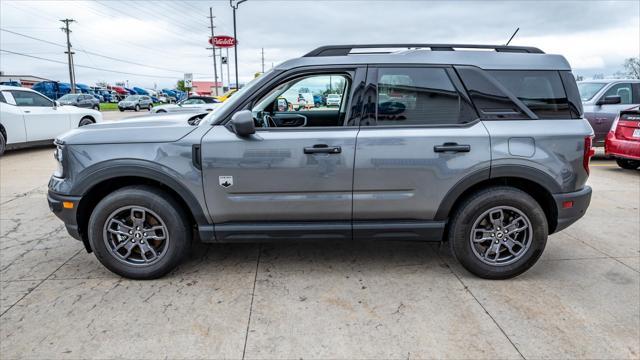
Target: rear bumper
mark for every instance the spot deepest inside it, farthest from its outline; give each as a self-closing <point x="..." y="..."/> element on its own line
<point x="626" y="149"/>
<point x="568" y="215"/>
<point x="68" y="216"/>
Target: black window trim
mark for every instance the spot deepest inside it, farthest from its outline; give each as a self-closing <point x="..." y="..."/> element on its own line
<point x="372" y="79"/>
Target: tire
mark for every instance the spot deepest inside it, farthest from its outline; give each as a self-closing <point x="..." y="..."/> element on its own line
<point x="150" y="107"/>
<point x="86" y="121"/>
<point x="97" y="108"/>
<point x="160" y="211"/>
<point x="3" y="144"/>
<point x="137" y="108"/>
<point x="121" y="109"/>
<point x="161" y="111"/>
<point x="628" y="164"/>
<point x="477" y="211"/>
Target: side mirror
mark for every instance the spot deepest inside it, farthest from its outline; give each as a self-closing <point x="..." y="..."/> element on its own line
<point x="282" y="105"/>
<point x="242" y="123"/>
<point x="610" y="100"/>
<point x="55" y="104"/>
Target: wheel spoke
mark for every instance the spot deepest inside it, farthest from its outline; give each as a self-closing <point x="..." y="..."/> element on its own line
<point x="129" y="247"/>
<point x="121" y="229"/>
<point x="509" y="245"/>
<point x="497" y="218"/>
<point x="514" y="225"/>
<point x="137" y="216"/>
<point x="486" y="235"/>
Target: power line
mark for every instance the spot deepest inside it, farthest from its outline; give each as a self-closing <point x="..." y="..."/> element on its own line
<point x="94" y="53"/>
<point x="88" y="67"/>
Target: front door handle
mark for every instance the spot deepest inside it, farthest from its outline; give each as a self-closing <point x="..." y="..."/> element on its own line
<point x="451" y="147"/>
<point x="322" y="149"/>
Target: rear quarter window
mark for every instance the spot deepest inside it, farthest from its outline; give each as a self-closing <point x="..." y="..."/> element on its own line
<point x="541" y="91"/>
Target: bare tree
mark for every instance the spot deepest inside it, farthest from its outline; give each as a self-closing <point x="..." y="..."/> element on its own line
<point x="632" y="66"/>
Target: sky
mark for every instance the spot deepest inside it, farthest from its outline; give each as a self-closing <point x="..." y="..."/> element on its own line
<point x="153" y="43"/>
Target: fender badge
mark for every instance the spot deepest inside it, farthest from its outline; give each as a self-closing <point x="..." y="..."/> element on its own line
<point x="225" y="181"/>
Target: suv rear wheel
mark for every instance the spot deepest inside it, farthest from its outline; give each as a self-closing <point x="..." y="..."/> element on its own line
<point x="139" y="232"/>
<point x="498" y="233"/>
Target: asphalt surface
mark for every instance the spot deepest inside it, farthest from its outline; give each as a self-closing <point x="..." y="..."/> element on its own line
<point x="383" y="300"/>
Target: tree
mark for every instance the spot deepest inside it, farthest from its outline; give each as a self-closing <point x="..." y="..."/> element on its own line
<point x="180" y="85"/>
<point x="632" y="66"/>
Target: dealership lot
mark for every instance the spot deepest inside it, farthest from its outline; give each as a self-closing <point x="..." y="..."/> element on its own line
<point x="318" y="300"/>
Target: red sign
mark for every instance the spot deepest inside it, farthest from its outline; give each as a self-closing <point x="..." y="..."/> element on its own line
<point x="223" y="41"/>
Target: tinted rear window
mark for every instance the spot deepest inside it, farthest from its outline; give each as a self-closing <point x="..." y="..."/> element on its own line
<point x="541" y="91"/>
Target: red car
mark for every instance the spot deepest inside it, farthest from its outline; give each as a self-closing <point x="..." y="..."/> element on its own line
<point x="623" y="140"/>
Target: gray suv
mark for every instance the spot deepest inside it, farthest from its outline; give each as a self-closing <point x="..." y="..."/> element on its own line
<point x="136" y="102"/>
<point x="486" y="150"/>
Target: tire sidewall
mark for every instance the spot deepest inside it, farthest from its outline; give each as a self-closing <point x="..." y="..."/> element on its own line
<point x="476" y="206"/>
<point x="164" y="207"/>
<point x="3" y="144"/>
<point x="85" y="121"/>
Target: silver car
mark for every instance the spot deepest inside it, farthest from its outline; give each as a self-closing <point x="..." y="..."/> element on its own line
<point x="602" y="100"/>
<point x="192" y="104"/>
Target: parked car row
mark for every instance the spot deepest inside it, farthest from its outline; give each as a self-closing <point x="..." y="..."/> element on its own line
<point x="192" y="104"/>
<point x="29" y="118"/>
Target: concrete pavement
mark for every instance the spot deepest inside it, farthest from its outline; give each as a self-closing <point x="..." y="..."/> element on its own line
<point x="382" y="300"/>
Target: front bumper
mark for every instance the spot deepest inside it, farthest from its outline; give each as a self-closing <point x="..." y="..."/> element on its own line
<point x="579" y="203"/>
<point x="67" y="215"/>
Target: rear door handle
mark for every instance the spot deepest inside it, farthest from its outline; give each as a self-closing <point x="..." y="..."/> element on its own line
<point x="322" y="149"/>
<point x="27" y="111"/>
<point x="451" y="147"/>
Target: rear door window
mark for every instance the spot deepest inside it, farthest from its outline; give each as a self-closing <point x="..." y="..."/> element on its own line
<point x="419" y="96"/>
<point x="541" y="91"/>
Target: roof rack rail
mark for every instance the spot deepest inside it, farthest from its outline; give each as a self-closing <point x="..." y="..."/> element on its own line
<point x="341" y="50"/>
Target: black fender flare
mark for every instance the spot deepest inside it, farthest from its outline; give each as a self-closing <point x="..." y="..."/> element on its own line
<point x="112" y="169"/>
<point x="523" y="172"/>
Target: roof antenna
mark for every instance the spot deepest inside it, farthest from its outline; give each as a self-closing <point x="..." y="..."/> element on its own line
<point x="511" y="38"/>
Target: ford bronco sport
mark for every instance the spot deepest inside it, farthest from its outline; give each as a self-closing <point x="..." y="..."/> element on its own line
<point x="484" y="147"/>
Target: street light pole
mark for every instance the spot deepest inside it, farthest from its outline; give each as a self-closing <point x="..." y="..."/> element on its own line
<point x="235" y="36"/>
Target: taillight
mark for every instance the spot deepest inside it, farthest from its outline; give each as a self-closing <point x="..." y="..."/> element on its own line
<point x="589" y="151"/>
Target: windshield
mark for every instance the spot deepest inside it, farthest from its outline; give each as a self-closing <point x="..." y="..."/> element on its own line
<point x="131" y="98"/>
<point x="213" y="117"/>
<point x="68" y="97"/>
<point x="588" y="90"/>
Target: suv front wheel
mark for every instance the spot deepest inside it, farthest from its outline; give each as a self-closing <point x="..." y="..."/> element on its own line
<point x="498" y="233"/>
<point x="139" y="232"/>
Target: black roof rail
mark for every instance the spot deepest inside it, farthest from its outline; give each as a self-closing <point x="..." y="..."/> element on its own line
<point x="341" y="50"/>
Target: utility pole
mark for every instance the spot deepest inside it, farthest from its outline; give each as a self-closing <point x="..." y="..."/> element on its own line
<point x="263" y="60"/>
<point x="213" y="50"/>
<point x="235" y="37"/>
<point x="72" y="77"/>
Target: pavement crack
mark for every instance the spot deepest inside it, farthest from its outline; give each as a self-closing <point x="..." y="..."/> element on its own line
<point x="466" y="288"/>
<point x="255" y="279"/>
<point x="40" y="283"/>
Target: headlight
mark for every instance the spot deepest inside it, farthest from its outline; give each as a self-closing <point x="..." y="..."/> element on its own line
<point x="59" y="156"/>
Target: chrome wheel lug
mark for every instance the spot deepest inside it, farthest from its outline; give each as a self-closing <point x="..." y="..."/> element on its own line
<point x="144" y="234"/>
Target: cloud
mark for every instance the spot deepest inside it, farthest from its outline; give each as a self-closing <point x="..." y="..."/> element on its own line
<point x="593" y="35"/>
